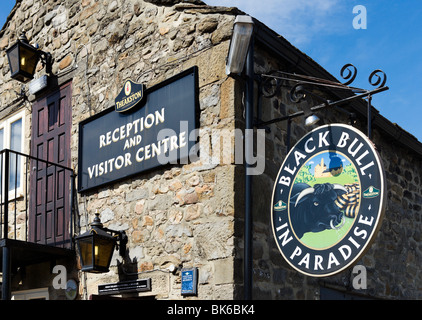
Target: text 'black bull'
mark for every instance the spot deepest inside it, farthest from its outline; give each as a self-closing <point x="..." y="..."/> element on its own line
<point x="313" y="209"/>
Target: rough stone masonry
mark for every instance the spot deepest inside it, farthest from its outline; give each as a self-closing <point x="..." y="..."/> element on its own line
<point x="192" y="215"/>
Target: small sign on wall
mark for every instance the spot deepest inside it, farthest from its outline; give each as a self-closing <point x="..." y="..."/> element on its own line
<point x="189" y="281"/>
<point x="131" y="94"/>
<point x="139" y="285"/>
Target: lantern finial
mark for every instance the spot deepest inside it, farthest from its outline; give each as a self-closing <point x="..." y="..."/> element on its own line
<point x="23" y="37"/>
<point x="97" y="221"/>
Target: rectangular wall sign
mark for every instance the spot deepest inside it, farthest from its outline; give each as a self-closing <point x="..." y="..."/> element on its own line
<point x="160" y="131"/>
<point x="189" y="281"/>
<point x="138" y="285"/>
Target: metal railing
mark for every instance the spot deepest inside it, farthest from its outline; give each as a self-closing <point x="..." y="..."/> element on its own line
<point x="36" y="200"/>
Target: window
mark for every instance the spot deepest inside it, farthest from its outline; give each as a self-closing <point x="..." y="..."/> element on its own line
<point x="35" y="294"/>
<point x="11" y="137"/>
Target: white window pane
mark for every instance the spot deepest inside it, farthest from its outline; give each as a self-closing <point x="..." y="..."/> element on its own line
<point x="16" y="135"/>
<point x="1" y="139"/>
<point x="15" y="144"/>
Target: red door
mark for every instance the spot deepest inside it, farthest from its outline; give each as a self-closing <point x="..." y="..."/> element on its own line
<point x="50" y="184"/>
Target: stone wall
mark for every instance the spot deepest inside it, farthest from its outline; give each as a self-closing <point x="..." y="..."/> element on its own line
<point x="192" y="215"/>
<point x="183" y="215"/>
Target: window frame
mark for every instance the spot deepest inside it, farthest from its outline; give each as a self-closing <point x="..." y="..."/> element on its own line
<point x="6" y="126"/>
<point x="33" y="294"/>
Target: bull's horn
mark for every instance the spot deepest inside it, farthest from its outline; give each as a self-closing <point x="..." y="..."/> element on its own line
<point x="303" y="194"/>
<point x="337" y="186"/>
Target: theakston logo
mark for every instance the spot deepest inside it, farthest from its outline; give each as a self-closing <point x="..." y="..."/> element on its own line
<point x="128" y="88"/>
<point x="328" y="200"/>
<point x="130" y="96"/>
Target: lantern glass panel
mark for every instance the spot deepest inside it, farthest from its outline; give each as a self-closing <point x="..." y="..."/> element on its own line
<point x="85" y="250"/>
<point x="28" y="59"/>
<point x="103" y="251"/>
<point x="13" y="55"/>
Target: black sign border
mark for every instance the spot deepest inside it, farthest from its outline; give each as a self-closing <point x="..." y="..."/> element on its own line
<point x="193" y="70"/>
<point x="380" y="214"/>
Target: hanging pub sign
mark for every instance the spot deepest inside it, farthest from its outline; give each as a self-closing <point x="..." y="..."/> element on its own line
<point x="129" y="97"/>
<point x="159" y="130"/>
<point x="328" y="200"/>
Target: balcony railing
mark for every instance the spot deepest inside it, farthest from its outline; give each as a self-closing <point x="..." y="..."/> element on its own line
<point x="36" y="200"/>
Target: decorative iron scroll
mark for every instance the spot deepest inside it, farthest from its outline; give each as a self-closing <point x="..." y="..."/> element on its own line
<point x="273" y="81"/>
<point x="351" y="75"/>
<point x="302" y="87"/>
<point x="377" y="78"/>
<point x="380" y="81"/>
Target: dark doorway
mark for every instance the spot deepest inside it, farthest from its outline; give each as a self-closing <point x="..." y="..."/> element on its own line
<point x="50" y="184"/>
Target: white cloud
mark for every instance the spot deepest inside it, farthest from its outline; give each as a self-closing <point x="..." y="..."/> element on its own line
<point x="299" y="21"/>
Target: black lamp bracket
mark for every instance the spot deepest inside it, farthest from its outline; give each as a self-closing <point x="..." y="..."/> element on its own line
<point x="121" y="237"/>
<point x="22" y="93"/>
<point x="46" y="60"/>
<point x="121" y="242"/>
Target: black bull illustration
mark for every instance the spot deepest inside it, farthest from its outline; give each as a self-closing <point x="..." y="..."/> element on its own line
<point x="317" y="208"/>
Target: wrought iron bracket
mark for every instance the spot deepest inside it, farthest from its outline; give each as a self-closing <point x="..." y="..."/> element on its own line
<point x="303" y="88"/>
<point x="46" y="60"/>
<point x="122" y="240"/>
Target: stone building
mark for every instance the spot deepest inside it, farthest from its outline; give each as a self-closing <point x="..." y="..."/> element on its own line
<point x="180" y="215"/>
<point x="320" y="170"/>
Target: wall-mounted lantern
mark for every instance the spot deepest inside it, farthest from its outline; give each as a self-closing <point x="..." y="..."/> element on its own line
<point x="97" y="245"/>
<point x="23" y="59"/>
<point x="239" y="45"/>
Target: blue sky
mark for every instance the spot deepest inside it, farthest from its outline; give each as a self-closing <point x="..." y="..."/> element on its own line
<point x="5" y="8"/>
<point x="323" y="29"/>
<point x="328" y="157"/>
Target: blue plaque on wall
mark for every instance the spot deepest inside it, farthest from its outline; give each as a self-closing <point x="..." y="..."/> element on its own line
<point x="189" y="281"/>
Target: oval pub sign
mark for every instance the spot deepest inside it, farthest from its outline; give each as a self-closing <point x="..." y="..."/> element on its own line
<point x="328" y="200"/>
